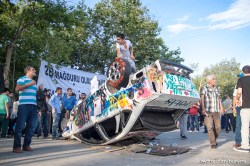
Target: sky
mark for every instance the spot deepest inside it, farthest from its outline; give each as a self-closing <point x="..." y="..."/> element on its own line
<point x="206" y="31"/>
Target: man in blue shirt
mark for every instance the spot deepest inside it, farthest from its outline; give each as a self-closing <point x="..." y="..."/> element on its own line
<point x="68" y="103"/>
<point x="27" y="110"/>
<point x="54" y="102"/>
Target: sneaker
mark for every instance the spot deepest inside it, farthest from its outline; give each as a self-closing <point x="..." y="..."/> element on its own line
<point x="28" y="148"/>
<point x="17" y="150"/>
<point x="183" y="137"/>
<point x="239" y="149"/>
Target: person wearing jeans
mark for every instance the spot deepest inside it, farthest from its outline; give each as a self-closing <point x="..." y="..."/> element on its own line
<point x="194" y="118"/>
<point x="183" y="124"/>
<point x="236" y="111"/>
<point x="56" y="119"/>
<point x="27" y="110"/>
<point x="68" y="103"/>
<point x="243" y="90"/>
<point x="238" y="128"/>
<point x="26" y="114"/>
<point x="56" y="110"/>
<point x="228" y="113"/>
<point x="39" y="125"/>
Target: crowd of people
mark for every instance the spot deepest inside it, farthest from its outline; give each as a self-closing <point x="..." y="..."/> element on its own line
<point x="217" y="114"/>
<point x="37" y="110"/>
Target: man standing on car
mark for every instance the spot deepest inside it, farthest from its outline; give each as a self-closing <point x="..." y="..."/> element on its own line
<point x="27" y="110"/>
<point x="124" y="50"/>
<point x="211" y="108"/>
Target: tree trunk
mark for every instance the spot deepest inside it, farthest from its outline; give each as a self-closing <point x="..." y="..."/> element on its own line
<point x="7" y="63"/>
<point x="9" y="51"/>
<point x="13" y="72"/>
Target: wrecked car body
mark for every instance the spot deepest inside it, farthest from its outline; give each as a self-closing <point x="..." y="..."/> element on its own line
<point x="142" y="104"/>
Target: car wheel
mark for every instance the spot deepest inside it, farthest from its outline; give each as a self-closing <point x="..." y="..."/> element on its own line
<point x="119" y="72"/>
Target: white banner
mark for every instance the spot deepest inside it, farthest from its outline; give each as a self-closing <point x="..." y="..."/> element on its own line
<point x="65" y="77"/>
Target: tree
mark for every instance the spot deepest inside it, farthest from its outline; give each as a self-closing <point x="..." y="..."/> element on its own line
<point x="110" y="17"/>
<point x="76" y="36"/>
<point x="226" y="75"/>
<point x="37" y="30"/>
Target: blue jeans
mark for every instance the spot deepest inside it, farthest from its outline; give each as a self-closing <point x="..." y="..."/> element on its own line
<point x="27" y="113"/>
<point x="56" y="119"/>
<point x="183" y="124"/>
<point x="238" y="127"/>
<point x="39" y="126"/>
<point x="230" y="117"/>
<point x="62" y="116"/>
<point x="188" y="122"/>
<point x="194" y="118"/>
<point x="42" y="123"/>
<point x="223" y="122"/>
<point x="205" y="129"/>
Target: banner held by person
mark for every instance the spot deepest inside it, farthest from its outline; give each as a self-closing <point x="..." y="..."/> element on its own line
<point x="64" y="77"/>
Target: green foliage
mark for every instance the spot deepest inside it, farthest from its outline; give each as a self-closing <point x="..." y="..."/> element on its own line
<point x="38" y="30"/>
<point x="110" y="17"/>
<point x="76" y="36"/>
<point x="226" y="73"/>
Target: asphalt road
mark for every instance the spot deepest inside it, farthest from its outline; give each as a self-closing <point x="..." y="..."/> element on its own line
<point x="73" y="153"/>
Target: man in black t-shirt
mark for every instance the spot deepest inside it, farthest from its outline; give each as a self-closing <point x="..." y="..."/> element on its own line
<point x="243" y="89"/>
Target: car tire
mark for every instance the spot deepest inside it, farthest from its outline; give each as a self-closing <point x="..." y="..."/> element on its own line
<point x="119" y="72"/>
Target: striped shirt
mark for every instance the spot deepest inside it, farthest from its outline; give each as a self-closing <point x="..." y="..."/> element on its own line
<point x="211" y="99"/>
<point x="28" y="95"/>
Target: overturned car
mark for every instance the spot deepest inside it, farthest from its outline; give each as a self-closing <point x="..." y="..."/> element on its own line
<point x="141" y="104"/>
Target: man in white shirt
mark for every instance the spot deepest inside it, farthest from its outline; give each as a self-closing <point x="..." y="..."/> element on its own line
<point x="124" y="49"/>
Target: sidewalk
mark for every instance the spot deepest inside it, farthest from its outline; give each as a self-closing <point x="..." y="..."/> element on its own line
<point x="73" y="153"/>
